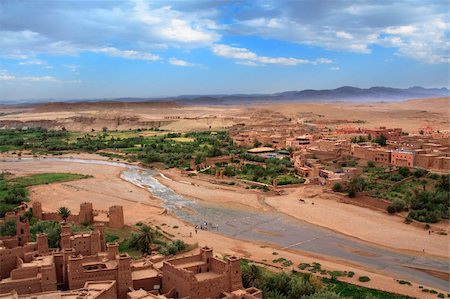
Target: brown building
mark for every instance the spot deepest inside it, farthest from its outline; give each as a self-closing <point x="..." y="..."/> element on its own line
<point x="90" y="290"/>
<point x="201" y="276"/>
<point x="83" y="261"/>
<point x="403" y="158"/>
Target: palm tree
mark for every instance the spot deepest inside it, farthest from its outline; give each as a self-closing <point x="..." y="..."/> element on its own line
<point x="144" y="239"/>
<point x="251" y="275"/>
<point x="64" y="213"/>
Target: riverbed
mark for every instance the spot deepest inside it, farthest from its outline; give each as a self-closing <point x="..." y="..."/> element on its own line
<point x="279" y="229"/>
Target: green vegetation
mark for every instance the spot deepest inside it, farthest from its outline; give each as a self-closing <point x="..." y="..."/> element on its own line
<point x="381" y="140"/>
<point x="424" y="194"/>
<point x="281" y="170"/>
<point x="51" y="228"/>
<point x="346" y="290"/>
<point x="45" y="178"/>
<point x="153" y="147"/>
<point x="287" y="285"/>
<point x="8" y="228"/>
<point x="146" y="240"/>
<point x="64" y="213"/>
<point x="13" y="189"/>
<point x="364" y="279"/>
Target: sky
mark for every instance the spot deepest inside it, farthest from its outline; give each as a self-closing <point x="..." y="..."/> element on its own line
<point x="104" y="49"/>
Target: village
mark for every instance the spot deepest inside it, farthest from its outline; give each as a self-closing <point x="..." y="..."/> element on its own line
<point x="86" y="266"/>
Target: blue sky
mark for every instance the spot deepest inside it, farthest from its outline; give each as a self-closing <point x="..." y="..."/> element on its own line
<point x="99" y="49"/>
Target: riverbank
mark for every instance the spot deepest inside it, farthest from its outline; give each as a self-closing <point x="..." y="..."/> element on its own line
<point x="107" y="188"/>
<point x="319" y="208"/>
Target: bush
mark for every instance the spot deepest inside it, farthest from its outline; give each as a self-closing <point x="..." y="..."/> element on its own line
<point x="337" y="187"/>
<point x="404" y="172"/>
<point x="396" y="177"/>
<point x="364" y="279"/>
<point x="351" y="194"/>
<point x="390" y="209"/>
<point x="420" y="173"/>
<point x="398" y="205"/>
<point x="8" y="228"/>
<point x="370" y="164"/>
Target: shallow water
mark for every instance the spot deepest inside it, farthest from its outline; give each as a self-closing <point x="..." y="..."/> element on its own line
<point x="280" y="229"/>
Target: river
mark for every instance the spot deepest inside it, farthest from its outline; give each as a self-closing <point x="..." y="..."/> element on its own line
<point x="280" y="229"/>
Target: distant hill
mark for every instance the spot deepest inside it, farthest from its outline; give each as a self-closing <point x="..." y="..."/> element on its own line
<point x="345" y="93"/>
<point x="102" y="105"/>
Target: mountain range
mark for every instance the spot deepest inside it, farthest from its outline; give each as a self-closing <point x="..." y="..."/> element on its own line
<point x="345" y="93"/>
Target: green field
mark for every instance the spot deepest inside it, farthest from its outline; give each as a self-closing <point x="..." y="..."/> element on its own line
<point x="13" y="190"/>
<point x="45" y="178"/>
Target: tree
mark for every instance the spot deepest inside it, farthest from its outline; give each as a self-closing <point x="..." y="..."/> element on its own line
<point x="356" y="184"/>
<point x="300" y="286"/>
<point x="143" y="239"/>
<point x="278" y="282"/>
<point x="251" y="276"/>
<point x="16" y="195"/>
<point x="51" y="228"/>
<point x="404" y="171"/>
<point x="64" y="213"/>
<point x="397" y="206"/>
<point x="8" y="228"/>
<point x="444" y="182"/>
<point x="369" y="137"/>
<point x="381" y="140"/>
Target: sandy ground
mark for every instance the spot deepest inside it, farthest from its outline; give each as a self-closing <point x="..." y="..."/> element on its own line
<point x="409" y="115"/>
<point x="328" y="211"/>
<point x="106" y="189"/>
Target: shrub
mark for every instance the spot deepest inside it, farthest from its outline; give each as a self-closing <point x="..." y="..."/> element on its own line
<point x="364" y="279"/>
<point x="390" y="209"/>
<point x="396" y="177"/>
<point x="351" y="193"/>
<point x="420" y="172"/>
<point x="398" y="205"/>
<point x="404" y="172"/>
<point x="8" y="228"/>
<point x="337" y="187"/>
<point x="370" y="164"/>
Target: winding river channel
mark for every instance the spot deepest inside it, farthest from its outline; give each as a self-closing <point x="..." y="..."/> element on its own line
<point x="280" y="229"/>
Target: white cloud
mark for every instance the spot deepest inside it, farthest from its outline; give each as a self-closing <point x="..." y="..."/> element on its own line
<point x="146" y="27"/>
<point x="322" y="61"/>
<point x="33" y="62"/>
<point x="179" y="62"/>
<point x="344" y="35"/>
<point x="247" y="57"/>
<point x="403" y="30"/>
<point x="39" y="79"/>
<point x="174" y="26"/>
<point x="335" y="68"/>
<point x="6" y="76"/>
<point x="127" y="54"/>
<point x="357" y="27"/>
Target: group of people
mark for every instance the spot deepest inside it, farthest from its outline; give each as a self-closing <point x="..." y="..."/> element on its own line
<point x="205" y="225"/>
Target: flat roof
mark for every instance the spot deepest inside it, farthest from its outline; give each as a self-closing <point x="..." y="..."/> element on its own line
<point x="190" y="264"/>
<point x="206" y="275"/>
<point x="144" y="273"/>
<point x="261" y="150"/>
